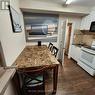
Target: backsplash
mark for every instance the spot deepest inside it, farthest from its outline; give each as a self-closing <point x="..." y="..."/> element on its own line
<point x="83" y="38"/>
<point x="87" y="39"/>
<point x="77" y="39"/>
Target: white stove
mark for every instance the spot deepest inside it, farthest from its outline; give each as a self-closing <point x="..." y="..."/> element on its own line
<point x="93" y="45"/>
<point x="87" y="59"/>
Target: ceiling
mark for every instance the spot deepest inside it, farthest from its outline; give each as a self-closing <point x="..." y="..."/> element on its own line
<point x="85" y="3"/>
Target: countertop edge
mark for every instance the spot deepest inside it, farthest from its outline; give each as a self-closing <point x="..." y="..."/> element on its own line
<point x="5" y="79"/>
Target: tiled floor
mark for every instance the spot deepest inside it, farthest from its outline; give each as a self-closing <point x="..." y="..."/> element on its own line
<point x="72" y="80"/>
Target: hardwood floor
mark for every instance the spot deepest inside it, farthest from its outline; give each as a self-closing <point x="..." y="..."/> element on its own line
<point x="72" y="80"/>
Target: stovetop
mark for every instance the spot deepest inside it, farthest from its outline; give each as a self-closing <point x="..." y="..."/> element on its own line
<point x="89" y="47"/>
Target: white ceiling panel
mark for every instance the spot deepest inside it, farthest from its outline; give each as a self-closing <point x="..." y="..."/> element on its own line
<point x="85" y="3"/>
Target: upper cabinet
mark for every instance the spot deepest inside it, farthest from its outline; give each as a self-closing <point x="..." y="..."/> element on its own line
<point x="86" y="21"/>
<point x="85" y="24"/>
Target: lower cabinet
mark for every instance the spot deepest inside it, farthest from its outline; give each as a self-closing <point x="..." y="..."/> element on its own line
<point x="75" y="52"/>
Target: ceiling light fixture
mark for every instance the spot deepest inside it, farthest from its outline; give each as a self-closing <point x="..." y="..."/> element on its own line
<point x="68" y="1"/>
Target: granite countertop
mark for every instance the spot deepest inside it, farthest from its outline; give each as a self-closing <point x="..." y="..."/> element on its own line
<point x="80" y="45"/>
<point x="33" y="56"/>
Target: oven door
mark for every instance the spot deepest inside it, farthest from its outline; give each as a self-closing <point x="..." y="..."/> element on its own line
<point x="88" y="58"/>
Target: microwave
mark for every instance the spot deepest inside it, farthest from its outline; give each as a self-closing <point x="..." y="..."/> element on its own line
<point x="92" y="27"/>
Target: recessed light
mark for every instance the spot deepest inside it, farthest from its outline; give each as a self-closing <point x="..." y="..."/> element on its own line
<point x="68" y="1"/>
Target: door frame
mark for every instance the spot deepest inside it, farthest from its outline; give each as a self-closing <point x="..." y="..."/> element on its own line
<point x="68" y="36"/>
<point x="61" y="39"/>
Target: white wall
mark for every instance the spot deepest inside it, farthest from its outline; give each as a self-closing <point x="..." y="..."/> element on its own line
<point x="51" y="6"/>
<point x="76" y="21"/>
<point x="12" y="43"/>
<point x="71" y="19"/>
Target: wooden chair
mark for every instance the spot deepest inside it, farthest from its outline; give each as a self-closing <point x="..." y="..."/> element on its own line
<point x="55" y="51"/>
<point x="33" y="82"/>
<point x="50" y="46"/>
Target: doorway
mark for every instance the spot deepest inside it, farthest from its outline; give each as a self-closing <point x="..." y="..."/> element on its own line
<point x="68" y="36"/>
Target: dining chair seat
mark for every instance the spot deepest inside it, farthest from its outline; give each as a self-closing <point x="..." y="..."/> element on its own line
<point x="34" y="82"/>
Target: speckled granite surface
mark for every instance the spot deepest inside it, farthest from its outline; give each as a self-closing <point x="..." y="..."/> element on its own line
<point x="33" y="56"/>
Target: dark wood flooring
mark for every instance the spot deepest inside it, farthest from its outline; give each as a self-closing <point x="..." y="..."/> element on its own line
<point x="72" y="80"/>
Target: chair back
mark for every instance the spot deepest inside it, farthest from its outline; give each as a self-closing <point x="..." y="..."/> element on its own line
<point x="55" y="51"/>
<point x="50" y="46"/>
<point x="36" y="76"/>
<point x="32" y="73"/>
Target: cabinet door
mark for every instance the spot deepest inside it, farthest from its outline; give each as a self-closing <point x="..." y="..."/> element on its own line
<point x="85" y="23"/>
<point x="75" y="52"/>
<point x="78" y="50"/>
<point x="72" y="54"/>
<point x="82" y="27"/>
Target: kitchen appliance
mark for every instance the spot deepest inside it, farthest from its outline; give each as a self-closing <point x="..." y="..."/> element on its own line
<point x="92" y="27"/>
<point x="39" y="30"/>
<point x="93" y="45"/>
<point x="87" y="59"/>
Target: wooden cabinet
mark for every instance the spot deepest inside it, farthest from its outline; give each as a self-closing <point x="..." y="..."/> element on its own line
<point x="75" y="52"/>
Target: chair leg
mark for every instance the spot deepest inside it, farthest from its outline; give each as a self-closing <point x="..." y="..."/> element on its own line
<point x="23" y="91"/>
<point x="44" y="84"/>
<point x="43" y="90"/>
